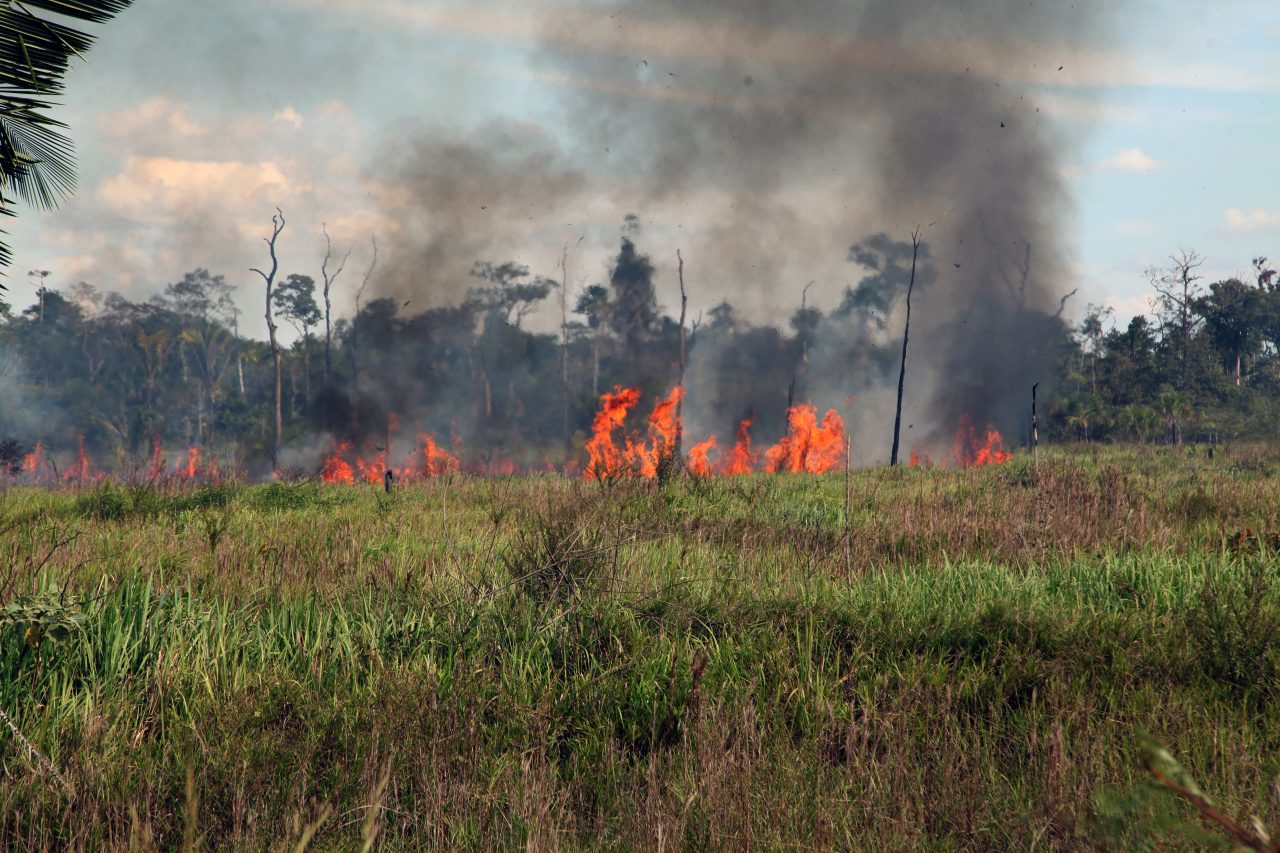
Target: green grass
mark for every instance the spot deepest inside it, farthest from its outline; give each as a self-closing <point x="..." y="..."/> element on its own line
<point x="972" y="663"/>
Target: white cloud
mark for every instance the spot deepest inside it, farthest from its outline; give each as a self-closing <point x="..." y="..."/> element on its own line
<point x="1254" y="221"/>
<point x="190" y="190"/>
<point x="1131" y="160"/>
<point x="289" y="116"/>
<point x="155" y="188"/>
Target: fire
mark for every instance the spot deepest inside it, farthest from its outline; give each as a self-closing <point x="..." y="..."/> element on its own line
<point x="192" y="465"/>
<point x="157" y="457"/>
<point x="918" y="459"/>
<point x="972" y="451"/>
<point x="436" y="461"/>
<point x="808" y="446"/>
<point x="336" y="469"/>
<point x="646" y="455"/>
<point x="740" y="459"/>
<point x="81" y="469"/>
<point x="606" y="461"/>
<point x="372" y="472"/>
<point x="33" y="462"/>
<point x="699" y="465"/>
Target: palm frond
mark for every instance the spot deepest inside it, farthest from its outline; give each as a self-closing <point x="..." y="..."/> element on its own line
<point x="37" y="163"/>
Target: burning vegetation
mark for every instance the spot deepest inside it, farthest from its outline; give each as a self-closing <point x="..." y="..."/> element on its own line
<point x="809" y="445"/>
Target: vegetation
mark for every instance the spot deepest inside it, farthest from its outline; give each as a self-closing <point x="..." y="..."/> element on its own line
<point x="174" y="371"/>
<point x="919" y="659"/>
<point x="36" y="163"/>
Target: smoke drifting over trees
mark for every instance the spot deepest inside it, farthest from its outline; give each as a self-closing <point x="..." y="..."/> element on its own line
<point x="766" y="138"/>
<point x="781" y="146"/>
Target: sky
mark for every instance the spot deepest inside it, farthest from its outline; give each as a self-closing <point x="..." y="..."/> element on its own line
<point x="194" y="121"/>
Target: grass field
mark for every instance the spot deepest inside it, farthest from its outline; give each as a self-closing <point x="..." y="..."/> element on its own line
<point x="909" y="659"/>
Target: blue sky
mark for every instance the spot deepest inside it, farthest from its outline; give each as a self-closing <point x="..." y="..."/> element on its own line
<point x="193" y="120"/>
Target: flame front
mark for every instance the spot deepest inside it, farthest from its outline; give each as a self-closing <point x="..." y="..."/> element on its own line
<point x="740" y="459"/>
<point x="605" y="460"/>
<point x="971" y="451"/>
<point x="808" y="446"/>
<point x="436" y="461"/>
<point x="33" y="462"/>
<point x="337" y="470"/>
<point x="699" y="465"/>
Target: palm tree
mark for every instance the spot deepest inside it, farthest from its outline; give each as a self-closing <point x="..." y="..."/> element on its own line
<point x="37" y="164"/>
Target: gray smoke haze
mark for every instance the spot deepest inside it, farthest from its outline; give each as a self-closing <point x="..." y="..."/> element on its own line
<point x="782" y="132"/>
<point x="458" y="201"/>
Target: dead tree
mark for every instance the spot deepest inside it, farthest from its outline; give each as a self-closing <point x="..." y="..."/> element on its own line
<point x="804" y="346"/>
<point x="1179" y="289"/>
<point x="329" y="280"/>
<point x="355" y="341"/>
<point x="277" y="226"/>
<point x="684" y="310"/>
<point x="906" y="335"/>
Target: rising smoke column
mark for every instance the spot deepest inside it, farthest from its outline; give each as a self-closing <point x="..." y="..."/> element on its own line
<point x="811" y="123"/>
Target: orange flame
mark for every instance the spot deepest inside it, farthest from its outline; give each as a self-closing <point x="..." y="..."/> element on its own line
<point x="740" y="459"/>
<point x="644" y="456"/>
<point x="918" y="459"/>
<point x="699" y="465"/>
<point x="971" y="451"/>
<point x="157" y="457"/>
<point x="606" y="462"/>
<point x="372" y="471"/>
<point x="192" y="466"/>
<point x="436" y="461"/>
<point x="337" y="470"/>
<point x="808" y="446"/>
<point x="81" y="470"/>
<point x="33" y="462"/>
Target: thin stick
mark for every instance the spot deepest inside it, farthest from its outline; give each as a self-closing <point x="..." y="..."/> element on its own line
<point x="848" y="463"/>
<point x="1035" y="430"/>
<point x="39" y="757"/>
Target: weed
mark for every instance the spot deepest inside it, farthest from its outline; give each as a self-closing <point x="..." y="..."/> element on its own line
<point x="556" y="555"/>
<point x="1236" y="627"/>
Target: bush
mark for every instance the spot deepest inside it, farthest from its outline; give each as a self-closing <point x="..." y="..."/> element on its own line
<point x="107" y="502"/>
<point x="1236" y="628"/>
<point x="556" y="557"/>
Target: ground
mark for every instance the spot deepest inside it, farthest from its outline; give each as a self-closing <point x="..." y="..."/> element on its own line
<point x="904" y="659"/>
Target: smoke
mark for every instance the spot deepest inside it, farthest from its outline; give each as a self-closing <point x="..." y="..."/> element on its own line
<point x="818" y="122"/>
<point x="768" y="138"/>
<point x="456" y="201"/>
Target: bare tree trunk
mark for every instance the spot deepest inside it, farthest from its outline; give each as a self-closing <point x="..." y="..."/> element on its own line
<point x="684" y="308"/>
<point x="804" y="350"/>
<point x="277" y="226"/>
<point x="564" y="342"/>
<point x="906" y="335"/>
<point x="355" y="342"/>
<point x="595" y="365"/>
<point x="306" y="372"/>
<point x="329" y="281"/>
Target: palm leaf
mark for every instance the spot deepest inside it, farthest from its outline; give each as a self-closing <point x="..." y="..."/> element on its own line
<point x="37" y="164"/>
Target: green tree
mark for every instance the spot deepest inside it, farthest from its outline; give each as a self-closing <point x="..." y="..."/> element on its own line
<point x="295" y="301"/>
<point x="1236" y="317"/>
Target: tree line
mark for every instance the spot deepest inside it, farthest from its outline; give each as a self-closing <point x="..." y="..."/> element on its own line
<point x="174" y="370"/>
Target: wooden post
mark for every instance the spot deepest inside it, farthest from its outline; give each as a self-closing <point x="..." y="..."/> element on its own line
<point x="1035" y="428"/>
<point x="848" y="463"/>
